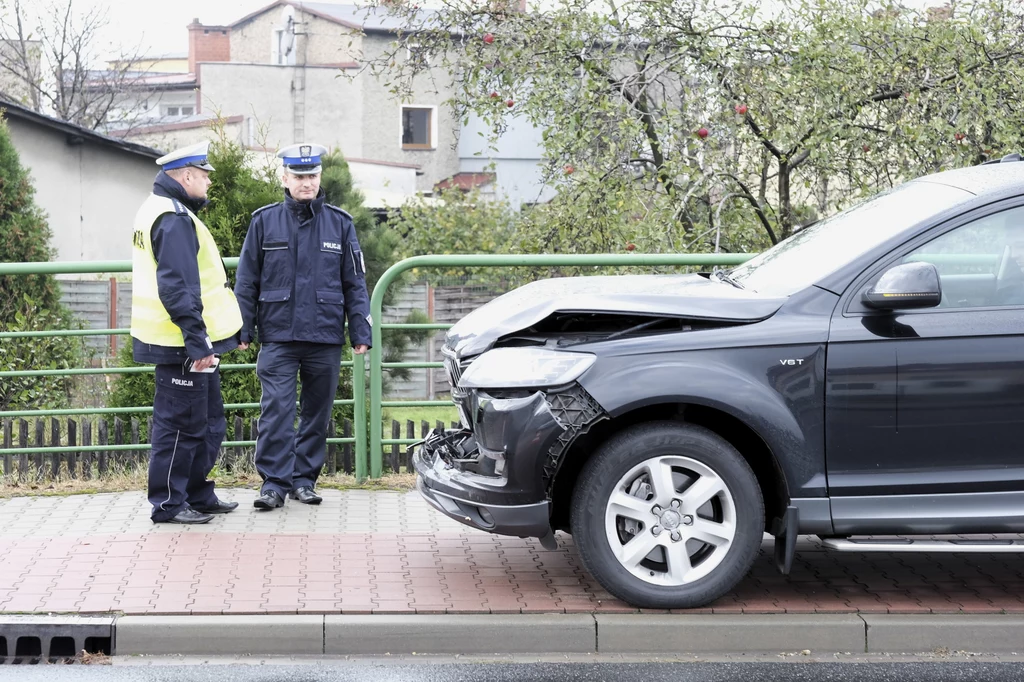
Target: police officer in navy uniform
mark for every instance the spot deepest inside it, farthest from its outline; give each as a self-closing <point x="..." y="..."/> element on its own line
<point x="301" y="274"/>
<point x="184" y="316"/>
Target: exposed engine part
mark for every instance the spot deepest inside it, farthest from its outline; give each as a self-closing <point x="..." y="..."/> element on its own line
<point x="451" y="446"/>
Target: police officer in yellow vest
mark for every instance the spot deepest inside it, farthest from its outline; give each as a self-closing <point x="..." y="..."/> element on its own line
<point x="184" y="316"/>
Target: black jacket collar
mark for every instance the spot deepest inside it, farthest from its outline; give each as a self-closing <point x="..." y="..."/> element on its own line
<point x="304" y="210"/>
<point x="166" y="186"/>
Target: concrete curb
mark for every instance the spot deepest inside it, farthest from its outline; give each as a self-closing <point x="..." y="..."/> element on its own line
<point x="335" y="635"/>
<point x="754" y="633"/>
<point x="956" y="632"/>
<point x="227" y="635"/>
<point x="456" y="634"/>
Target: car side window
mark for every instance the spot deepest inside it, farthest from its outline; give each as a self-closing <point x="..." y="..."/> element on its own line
<point x="980" y="264"/>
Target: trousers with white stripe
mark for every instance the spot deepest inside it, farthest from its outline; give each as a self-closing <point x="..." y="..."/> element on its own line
<point x="188" y="429"/>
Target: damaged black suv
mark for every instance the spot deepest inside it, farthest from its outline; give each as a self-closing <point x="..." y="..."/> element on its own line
<point x="863" y="377"/>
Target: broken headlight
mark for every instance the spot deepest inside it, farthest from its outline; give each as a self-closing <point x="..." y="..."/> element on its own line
<point x="525" y="368"/>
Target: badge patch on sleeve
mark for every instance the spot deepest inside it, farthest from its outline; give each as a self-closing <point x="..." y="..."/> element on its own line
<point x="357" y="259"/>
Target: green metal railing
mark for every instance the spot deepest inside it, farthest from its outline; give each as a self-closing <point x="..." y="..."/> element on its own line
<point x="368" y="447"/>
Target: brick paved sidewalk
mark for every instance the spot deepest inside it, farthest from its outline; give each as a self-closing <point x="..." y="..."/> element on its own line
<point x="383" y="552"/>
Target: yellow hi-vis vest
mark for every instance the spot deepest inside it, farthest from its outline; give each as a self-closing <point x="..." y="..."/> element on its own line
<point x="150" y="321"/>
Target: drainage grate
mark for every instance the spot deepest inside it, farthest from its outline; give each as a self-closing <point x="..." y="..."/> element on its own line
<point x="28" y="640"/>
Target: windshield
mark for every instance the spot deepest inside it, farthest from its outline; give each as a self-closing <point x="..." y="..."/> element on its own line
<point x="818" y="250"/>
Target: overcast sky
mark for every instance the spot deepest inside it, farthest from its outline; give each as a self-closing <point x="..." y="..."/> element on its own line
<point x="159" y="25"/>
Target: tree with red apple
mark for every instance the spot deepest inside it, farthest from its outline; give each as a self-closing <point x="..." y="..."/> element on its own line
<point x="682" y="114"/>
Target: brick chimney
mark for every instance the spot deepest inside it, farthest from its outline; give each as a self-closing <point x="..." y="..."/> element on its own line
<point x="207" y="44"/>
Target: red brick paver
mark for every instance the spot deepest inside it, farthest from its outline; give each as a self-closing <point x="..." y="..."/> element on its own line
<point x="389" y="553"/>
<point x="206" y="573"/>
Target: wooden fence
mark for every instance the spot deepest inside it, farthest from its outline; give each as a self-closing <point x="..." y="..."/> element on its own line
<point x="45" y="465"/>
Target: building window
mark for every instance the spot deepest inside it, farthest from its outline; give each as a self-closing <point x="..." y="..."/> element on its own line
<point x="178" y="111"/>
<point x="280" y="55"/>
<point x="417" y="55"/>
<point x="417" y="128"/>
<point x="283" y="45"/>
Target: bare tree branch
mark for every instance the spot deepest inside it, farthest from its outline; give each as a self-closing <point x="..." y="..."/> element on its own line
<point x="57" y="65"/>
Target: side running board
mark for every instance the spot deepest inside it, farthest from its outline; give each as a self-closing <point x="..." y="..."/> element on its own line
<point x="922" y="545"/>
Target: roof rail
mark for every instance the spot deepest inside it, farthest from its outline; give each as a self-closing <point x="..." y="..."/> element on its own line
<point x="1006" y="159"/>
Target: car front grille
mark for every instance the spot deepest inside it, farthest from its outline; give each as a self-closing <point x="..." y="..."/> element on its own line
<point x="454" y="369"/>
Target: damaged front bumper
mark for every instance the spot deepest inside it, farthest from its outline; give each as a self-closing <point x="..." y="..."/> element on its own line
<point x="494" y="475"/>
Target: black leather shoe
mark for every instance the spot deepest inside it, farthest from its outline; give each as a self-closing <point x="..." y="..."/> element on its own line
<point x="305" y="495"/>
<point x="187" y="515"/>
<point x="220" y="507"/>
<point x="268" y="500"/>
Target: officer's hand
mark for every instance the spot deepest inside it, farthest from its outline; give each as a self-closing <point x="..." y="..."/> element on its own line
<point x="243" y="346"/>
<point x="360" y="349"/>
<point x="203" y="363"/>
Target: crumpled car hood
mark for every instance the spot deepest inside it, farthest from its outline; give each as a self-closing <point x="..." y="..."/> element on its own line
<point x="689" y="296"/>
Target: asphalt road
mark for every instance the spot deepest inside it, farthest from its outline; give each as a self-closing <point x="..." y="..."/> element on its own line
<point x="967" y="671"/>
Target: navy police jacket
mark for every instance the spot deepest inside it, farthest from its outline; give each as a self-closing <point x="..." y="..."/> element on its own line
<point x="176" y="249"/>
<point x="300" y="274"/>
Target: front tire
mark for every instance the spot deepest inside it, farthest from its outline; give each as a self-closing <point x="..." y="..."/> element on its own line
<point x="667" y="515"/>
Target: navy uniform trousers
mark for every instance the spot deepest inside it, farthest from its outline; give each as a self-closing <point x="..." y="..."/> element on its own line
<point x="188" y="428"/>
<point x="289" y="458"/>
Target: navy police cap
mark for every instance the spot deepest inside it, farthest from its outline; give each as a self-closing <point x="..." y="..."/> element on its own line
<point x="302" y="159"/>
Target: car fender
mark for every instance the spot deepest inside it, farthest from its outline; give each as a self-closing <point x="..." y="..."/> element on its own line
<point x="781" y="404"/>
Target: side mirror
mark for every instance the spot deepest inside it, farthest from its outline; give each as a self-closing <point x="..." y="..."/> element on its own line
<point x="909" y="285"/>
